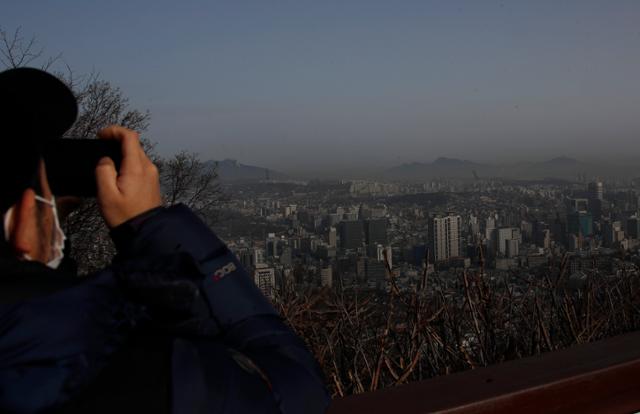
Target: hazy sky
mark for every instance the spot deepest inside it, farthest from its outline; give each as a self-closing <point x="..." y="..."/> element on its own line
<point x="307" y="85"/>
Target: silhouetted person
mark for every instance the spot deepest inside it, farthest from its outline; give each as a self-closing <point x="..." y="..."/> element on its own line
<point x="173" y="325"/>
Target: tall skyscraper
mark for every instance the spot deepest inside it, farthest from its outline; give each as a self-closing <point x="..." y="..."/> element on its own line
<point x="333" y="236"/>
<point x="595" y="194"/>
<point x="445" y="237"/>
<point x="489" y="227"/>
<point x="596" y="190"/>
<point x="351" y="234"/>
<point x="271" y="245"/>
<point x="375" y="232"/>
<point x="580" y="223"/>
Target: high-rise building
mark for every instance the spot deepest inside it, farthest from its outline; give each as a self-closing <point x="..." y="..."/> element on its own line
<point x="351" y="216"/>
<point x="633" y="227"/>
<point x="612" y="233"/>
<point x="271" y="245"/>
<point x="578" y="204"/>
<point x="351" y="234"/>
<point x="326" y="277"/>
<point x="334" y="219"/>
<point x="290" y="210"/>
<point x="379" y="250"/>
<point x="364" y="212"/>
<point x="333" y="237"/>
<point x="375" y="232"/>
<point x="580" y="223"/>
<point x="489" y="227"/>
<point x="543" y="238"/>
<point x="474" y="225"/>
<point x="286" y="257"/>
<point x="508" y="241"/>
<point x="595" y="208"/>
<point x="445" y="237"/>
<point x="375" y="272"/>
<point x="512" y="248"/>
<point x="595" y="190"/>
<point x="595" y="195"/>
<point x="541" y="233"/>
<point x="265" y="278"/>
<point x="257" y="256"/>
<point x="575" y="243"/>
<point x="245" y="257"/>
<point x="526" y="230"/>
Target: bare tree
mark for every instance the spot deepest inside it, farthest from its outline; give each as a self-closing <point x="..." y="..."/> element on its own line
<point x="16" y="52"/>
<point x="368" y="340"/>
<point x="186" y="179"/>
<point x="101" y="104"/>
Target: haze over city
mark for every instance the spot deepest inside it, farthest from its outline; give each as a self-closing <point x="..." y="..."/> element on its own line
<point x="306" y="87"/>
<point x="331" y="199"/>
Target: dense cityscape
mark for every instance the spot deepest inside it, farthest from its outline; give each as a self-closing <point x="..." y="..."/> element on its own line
<point x="347" y="234"/>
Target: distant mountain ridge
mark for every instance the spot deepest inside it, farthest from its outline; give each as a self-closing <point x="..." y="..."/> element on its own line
<point x="232" y="170"/>
<point x="444" y="161"/>
<point x="560" y="167"/>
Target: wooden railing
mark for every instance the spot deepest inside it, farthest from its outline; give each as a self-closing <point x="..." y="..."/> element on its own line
<point x="602" y="376"/>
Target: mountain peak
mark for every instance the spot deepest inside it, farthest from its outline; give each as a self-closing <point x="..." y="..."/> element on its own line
<point x="229" y="161"/>
<point x="233" y="170"/>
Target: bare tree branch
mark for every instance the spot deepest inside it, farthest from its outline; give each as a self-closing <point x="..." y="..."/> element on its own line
<point x="186" y="179"/>
<point x="16" y="52"/>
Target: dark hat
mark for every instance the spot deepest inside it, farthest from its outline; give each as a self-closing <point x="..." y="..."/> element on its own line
<point x="35" y="107"/>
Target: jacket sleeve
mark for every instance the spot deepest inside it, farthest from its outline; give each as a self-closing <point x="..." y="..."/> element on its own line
<point x="283" y="361"/>
<point x="54" y="345"/>
<point x="246" y="320"/>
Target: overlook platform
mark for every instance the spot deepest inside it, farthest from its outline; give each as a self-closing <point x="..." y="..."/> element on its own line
<point x="602" y="376"/>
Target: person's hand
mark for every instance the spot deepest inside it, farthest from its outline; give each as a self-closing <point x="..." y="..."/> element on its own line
<point x="134" y="189"/>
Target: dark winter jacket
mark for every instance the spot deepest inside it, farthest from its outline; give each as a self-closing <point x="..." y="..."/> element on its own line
<point x="175" y="325"/>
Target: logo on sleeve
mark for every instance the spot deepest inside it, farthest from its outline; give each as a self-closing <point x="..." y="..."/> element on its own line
<point x="223" y="271"/>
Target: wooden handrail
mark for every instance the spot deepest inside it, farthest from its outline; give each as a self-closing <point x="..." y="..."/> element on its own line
<point x="602" y="376"/>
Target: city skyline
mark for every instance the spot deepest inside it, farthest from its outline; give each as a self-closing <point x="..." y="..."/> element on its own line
<point x="305" y="87"/>
<point x="485" y="259"/>
<point x="560" y="168"/>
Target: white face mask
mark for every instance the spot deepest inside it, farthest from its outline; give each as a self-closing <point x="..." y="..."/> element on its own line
<point x="57" y="243"/>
